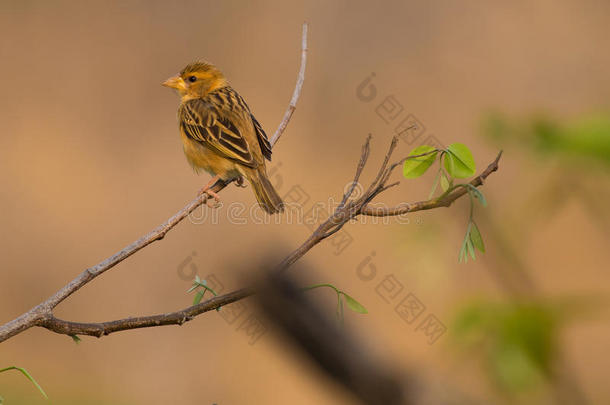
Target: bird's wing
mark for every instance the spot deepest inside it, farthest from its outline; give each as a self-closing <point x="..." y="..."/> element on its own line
<point x="231" y="97"/>
<point x="262" y="138"/>
<point x="206" y="123"/>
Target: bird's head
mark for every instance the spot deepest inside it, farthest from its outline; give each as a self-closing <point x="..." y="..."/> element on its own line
<point x="196" y="80"/>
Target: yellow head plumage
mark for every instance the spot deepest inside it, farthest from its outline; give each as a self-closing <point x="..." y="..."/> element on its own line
<point x="196" y="80"/>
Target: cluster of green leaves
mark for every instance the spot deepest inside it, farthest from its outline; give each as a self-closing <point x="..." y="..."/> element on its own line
<point x="202" y="287"/>
<point x="457" y="158"/>
<point x="341" y="297"/>
<point x="516" y="341"/>
<point x="455" y="162"/>
<point x="28" y="376"/>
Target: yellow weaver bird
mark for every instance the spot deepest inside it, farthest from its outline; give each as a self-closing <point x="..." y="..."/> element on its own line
<point x="220" y="134"/>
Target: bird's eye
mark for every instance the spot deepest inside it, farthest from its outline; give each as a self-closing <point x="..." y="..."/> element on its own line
<point x="192" y="79"/>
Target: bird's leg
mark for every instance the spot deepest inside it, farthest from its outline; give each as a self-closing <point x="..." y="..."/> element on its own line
<point x="207" y="190"/>
<point x="239" y="182"/>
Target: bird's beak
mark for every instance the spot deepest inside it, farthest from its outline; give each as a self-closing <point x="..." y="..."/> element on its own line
<point x="175" y="82"/>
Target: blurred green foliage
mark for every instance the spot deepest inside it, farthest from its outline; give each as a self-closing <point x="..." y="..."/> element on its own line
<point x="576" y="151"/>
<point x="516" y="341"/>
<point x="586" y="138"/>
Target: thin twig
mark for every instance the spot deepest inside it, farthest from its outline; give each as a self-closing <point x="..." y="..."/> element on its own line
<point x="388" y="156"/>
<point x="364" y="155"/>
<point x="297" y="89"/>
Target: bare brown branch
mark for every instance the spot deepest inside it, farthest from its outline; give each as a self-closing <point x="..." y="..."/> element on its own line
<point x="173" y="318"/>
<point x="345" y="212"/>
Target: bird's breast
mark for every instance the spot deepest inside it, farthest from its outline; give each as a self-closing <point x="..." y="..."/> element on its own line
<point x="203" y="158"/>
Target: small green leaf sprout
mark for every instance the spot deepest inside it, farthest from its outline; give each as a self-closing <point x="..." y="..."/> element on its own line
<point x="341" y="297"/>
<point x="203" y="285"/>
<point x="28" y="376"/>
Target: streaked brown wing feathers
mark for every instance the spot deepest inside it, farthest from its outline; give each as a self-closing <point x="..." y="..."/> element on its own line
<point x="262" y="138"/>
<point x="232" y="97"/>
<point x="202" y="122"/>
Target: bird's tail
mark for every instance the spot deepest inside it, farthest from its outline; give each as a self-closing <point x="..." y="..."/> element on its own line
<point x="265" y="194"/>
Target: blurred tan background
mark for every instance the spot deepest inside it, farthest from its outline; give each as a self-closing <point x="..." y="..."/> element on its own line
<point x="90" y="160"/>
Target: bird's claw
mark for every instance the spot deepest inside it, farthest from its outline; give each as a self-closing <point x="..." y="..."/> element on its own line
<point x="239" y="182"/>
<point x="211" y="194"/>
<point x="215" y="204"/>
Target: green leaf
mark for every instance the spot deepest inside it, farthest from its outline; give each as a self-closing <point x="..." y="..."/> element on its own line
<point x="435" y="185"/>
<point x="464" y="250"/>
<point x="478" y="194"/>
<point x="416" y="166"/>
<point x="198" y="296"/>
<point x="476" y="238"/>
<point x="513" y="369"/>
<point x="354" y="305"/>
<point x="28" y="376"/>
<point x="459" y="162"/>
<point x="76" y="339"/>
<point x="311" y="287"/>
<point x="212" y="291"/>
<point x="470" y="248"/>
<point x="203" y="284"/>
<point x="340" y="316"/>
<point x="445" y="183"/>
